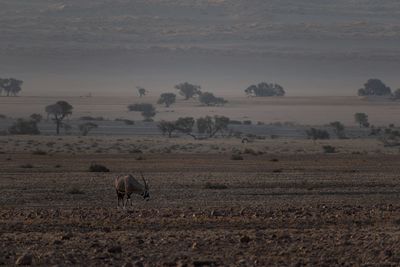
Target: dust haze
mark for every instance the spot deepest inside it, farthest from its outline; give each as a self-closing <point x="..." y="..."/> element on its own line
<point x="109" y="47"/>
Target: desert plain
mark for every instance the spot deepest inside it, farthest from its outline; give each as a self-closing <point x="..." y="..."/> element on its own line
<point x="284" y="202"/>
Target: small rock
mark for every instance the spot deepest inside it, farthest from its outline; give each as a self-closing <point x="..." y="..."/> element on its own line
<point x="388" y="253"/>
<point x="242" y="262"/>
<point x="128" y="264"/>
<point x="25" y="259"/>
<point x="138" y="264"/>
<point x="57" y="242"/>
<point x="245" y="239"/>
<point x="67" y="236"/>
<point x="204" y="263"/>
<point x="216" y="213"/>
<point x="115" y="249"/>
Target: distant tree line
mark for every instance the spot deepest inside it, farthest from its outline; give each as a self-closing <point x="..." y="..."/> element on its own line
<point x="375" y="87"/>
<point x="10" y="86"/>
<point x="187" y="90"/>
<point x="207" y="125"/>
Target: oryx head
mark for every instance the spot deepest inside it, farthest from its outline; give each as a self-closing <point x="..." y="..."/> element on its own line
<point x="146" y="194"/>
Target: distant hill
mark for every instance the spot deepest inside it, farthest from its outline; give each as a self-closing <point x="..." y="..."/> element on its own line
<point x="283" y="27"/>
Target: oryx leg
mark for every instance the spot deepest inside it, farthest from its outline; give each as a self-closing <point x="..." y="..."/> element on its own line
<point x="118" y="198"/>
<point x="130" y="199"/>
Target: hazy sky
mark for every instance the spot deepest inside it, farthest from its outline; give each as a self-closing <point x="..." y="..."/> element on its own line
<point x="110" y="46"/>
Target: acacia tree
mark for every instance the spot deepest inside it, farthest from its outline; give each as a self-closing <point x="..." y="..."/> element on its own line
<point x="10" y="86"/>
<point x="141" y="91"/>
<point x="167" y="99"/>
<point x="265" y="89"/>
<point x="209" y="99"/>
<point x="212" y="125"/>
<point x="148" y="111"/>
<point x="374" y="87"/>
<point x="59" y="111"/>
<point x="167" y="127"/>
<point x="183" y="125"/>
<point x="188" y="90"/>
<point x="338" y="128"/>
<point x="396" y="94"/>
<point x="361" y="119"/>
<point x="316" y="134"/>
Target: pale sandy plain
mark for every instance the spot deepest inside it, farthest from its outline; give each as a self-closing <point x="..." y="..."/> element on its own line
<point x="301" y="110"/>
<point x="276" y="207"/>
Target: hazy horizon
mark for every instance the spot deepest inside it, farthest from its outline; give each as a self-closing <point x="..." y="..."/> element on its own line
<point x="110" y="47"/>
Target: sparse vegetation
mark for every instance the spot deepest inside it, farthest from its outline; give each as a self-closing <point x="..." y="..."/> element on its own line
<point x="316" y="134"/>
<point x="148" y="111"/>
<point x="24" y="127"/>
<point x="85" y="128"/>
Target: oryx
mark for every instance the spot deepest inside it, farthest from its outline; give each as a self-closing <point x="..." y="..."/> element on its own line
<point x="127" y="185"/>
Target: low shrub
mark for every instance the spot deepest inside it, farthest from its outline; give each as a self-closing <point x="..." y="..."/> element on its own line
<point x="27" y="166"/>
<point x="215" y="186"/>
<point x="75" y="191"/>
<point x="39" y="152"/>
<point x="94" y="167"/>
<point x="90" y="118"/>
<point x="236" y="157"/>
<point x="329" y="149"/>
